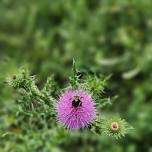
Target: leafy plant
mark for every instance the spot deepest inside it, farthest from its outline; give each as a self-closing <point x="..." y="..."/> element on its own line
<point x="39" y="104"/>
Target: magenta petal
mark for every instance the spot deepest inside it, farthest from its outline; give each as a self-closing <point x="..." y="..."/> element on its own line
<point x="75" y="116"/>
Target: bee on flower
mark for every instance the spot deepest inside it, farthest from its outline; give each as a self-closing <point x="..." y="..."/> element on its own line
<point x="75" y="109"/>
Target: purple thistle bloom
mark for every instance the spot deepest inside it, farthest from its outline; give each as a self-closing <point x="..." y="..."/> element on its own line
<point x="75" y="109"/>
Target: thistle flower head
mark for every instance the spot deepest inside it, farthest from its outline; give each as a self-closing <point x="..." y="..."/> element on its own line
<point x="75" y="109"/>
<point x="114" y="126"/>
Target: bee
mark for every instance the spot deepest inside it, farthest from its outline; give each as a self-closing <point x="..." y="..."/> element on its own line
<point x="76" y="101"/>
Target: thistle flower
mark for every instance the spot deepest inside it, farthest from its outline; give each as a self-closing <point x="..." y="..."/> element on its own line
<point x="114" y="126"/>
<point x="75" y="109"/>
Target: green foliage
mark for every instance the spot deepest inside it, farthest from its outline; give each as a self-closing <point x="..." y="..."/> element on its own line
<point x="105" y="37"/>
<point x="37" y="103"/>
<point x="74" y="79"/>
<point x="36" y="111"/>
<point x="31" y="98"/>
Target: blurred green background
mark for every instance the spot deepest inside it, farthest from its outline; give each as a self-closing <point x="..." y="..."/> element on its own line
<point x="104" y="36"/>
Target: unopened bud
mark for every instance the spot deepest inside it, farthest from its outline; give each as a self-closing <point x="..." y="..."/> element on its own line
<point x="114" y="126"/>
